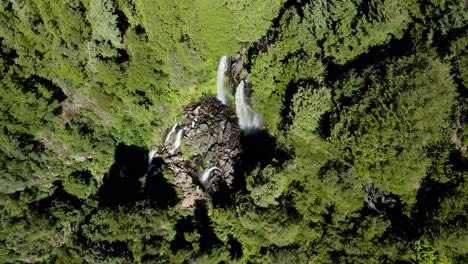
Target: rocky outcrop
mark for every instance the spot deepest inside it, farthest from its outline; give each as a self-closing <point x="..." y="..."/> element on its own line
<point x="238" y="71"/>
<point x="376" y="199"/>
<point x="211" y="138"/>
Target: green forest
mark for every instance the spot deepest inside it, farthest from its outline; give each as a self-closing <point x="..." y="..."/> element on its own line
<point x="364" y="103"/>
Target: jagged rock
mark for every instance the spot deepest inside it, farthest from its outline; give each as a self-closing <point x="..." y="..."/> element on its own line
<point x="211" y="138"/>
<point x="376" y="198"/>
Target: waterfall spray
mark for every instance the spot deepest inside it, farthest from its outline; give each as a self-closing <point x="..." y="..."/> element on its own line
<point x="248" y="120"/>
<point x="222" y="68"/>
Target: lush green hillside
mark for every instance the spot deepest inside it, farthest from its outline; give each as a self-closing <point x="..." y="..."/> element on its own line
<point x="366" y="100"/>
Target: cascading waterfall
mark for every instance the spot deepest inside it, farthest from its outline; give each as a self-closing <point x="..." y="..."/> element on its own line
<point x="178" y="141"/>
<point x="206" y="174"/>
<point x="150" y="159"/>
<point x="168" y="137"/>
<point x="150" y="156"/>
<point x="248" y="120"/>
<point x="222" y="68"/>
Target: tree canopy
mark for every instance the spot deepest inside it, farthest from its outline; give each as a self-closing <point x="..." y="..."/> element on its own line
<point x="365" y="106"/>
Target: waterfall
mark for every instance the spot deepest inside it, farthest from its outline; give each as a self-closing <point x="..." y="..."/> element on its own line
<point x="206" y="174"/>
<point x="168" y="137"/>
<point x="248" y="120"/>
<point x="176" y="145"/>
<point x="150" y="159"/>
<point x="150" y="156"/>
<point x="222" y="68"/>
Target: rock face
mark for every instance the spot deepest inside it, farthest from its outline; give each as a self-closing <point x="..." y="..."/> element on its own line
<point x="211" y="138"/>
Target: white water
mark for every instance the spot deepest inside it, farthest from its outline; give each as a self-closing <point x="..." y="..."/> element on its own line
<point x="222" y="68"/>
<point x="178" y="141"/>
<point x="248" y="120"/>
<point x="150" y="159"/>
<point x="206" y="174"/>
<point x="150" y="156"/>
<point x="168" y="137"/>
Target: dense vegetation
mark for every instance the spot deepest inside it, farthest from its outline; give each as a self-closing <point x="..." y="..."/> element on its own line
<point x="366" y="100"/>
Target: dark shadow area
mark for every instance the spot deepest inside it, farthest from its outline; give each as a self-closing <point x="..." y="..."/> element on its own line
<point x="122" y="56"/>
<point x="462" y="258"/>
<point x="325" y="125"/>
<point x="122" y="183"/>
<point x="85" y="177"/>
<point x="432" y="192"/>
<point x="428" y="197"/>
<point x="235" y="248"/>
<point x="287" y="116"/>
<point x="261" y="45"/>
<point x="456" y="158"/>
<point x="159" y="191"/>
<point x="9" y="55"/>
<point x="208" y="238"/>
<point x="27" y="141"/>
<point x="461" y="89"/>
<point x="151" y="249"/>
<point x="59" y="200"/>
<point x="286" y="113"/>
<point x="141" y="31"/>
<point x="239" y="179"/>
<point x="376" y="55"/>
<point x="184" y="225"/>
<point x="8" y="7"/>
<point x="122" y="21"/>
<point x="391" y="207"/>
<point x="30" y="85"/>
<point x="402" y="225"/>
<point x="221" y="195"/>
<point x="296" y="4"/>
<point x="442" y="42"/>
<point x="259" y="148"/>
<point x="143" y="99"/>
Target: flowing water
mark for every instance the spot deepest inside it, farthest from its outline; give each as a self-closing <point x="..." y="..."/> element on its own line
<point x="150" y="156"/>
<point x="249" y="121"/>
<point x="206" y="174"/>
<point x="222" y="69"/>
<point x="168" y="137"/>
<point x="178" y="141"/>
<point x="150" y="159"/>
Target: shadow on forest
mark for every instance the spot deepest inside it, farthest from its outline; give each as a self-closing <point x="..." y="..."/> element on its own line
<point x="259" y="148"/>
<point x="431" y="192"/>
<point x="59" y="199"/>
<point x="184" y="225"/>
<point x="201" y="223"/>
<point x="429" y="196"/>
<point x="157" y="189"/>
<point x="221" y="195"/>
<point x="208" y="238"/>
<point x="123" y="184"/>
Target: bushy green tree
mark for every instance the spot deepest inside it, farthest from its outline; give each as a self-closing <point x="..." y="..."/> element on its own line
<point x="413" y="96"/>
